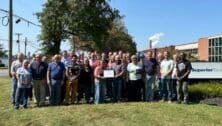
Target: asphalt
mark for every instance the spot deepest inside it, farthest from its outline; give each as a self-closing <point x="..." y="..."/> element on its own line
<point x="3" y="72"/>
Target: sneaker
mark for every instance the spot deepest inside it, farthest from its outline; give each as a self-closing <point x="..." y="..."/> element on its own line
<point x="185" y="102"/>
<point x="169" y="101"/>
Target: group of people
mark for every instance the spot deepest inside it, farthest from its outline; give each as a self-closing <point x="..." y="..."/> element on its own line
<point x="67" y="78"/>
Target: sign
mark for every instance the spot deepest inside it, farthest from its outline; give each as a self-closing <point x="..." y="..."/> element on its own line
<point x="108" y="73"/>
<point x="206" y="70"/>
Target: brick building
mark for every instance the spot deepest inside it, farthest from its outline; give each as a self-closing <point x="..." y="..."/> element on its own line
<point x="205" y="49"/>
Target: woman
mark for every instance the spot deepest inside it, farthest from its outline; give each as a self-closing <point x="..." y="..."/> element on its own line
<point x="85" y="80"/>
<point x="99" y="83"/>
<point x="23" y="75"/>
<point x="135" y="71"/>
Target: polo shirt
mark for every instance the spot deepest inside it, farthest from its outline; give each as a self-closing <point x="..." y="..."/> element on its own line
<point x="150" y="66"/>
<point x="56" y="70"/>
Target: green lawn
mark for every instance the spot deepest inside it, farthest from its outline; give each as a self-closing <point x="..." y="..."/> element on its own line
<point x="122" y="114"/>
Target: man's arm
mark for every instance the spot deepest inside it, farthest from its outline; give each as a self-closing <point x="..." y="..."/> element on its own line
<point x="12" y="69"/>
<point x="48" y="75"/>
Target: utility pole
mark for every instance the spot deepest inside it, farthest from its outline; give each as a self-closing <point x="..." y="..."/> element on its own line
<point x="10" y="37"/>
<point x="25" y="44"/>
<point x="18" y="41"/>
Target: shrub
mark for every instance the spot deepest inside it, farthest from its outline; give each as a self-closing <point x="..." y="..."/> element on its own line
<point x="201" y="91"/>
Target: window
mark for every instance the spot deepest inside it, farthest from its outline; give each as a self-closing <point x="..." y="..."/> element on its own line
<point x="210" y="51"/>
<point x="220" y="58"/>
<point x="220" y="41"/>
<point x="216" y="58"/>
<point x="210" y="42"/>
<point x="216" y="51"/>
<point x="220" y="50"/>
<point x="216" y="42"/>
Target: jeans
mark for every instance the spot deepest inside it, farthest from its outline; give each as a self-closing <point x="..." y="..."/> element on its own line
<point x="160" y="92"/>
<point x="174" y="89"/>
<point x="184" y="86"/>
<point x="55" y="92"/>
<point x="117" y="89"/>
<point x="166" y="88"/>
<point x="149" y="87"/>
<point x="21" y="95"/>
<point x="99" y="92"/>
<point x="13" y="89"/>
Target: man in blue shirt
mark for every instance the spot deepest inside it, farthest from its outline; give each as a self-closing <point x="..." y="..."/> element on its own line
<point x="55" y="78"/>
<point x="150" y="67"/>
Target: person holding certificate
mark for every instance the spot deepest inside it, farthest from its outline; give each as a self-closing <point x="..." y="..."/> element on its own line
<point x="118" y="68"/>
<point x="135" y="70"/>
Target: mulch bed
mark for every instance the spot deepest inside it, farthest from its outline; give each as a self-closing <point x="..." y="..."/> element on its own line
<point x="212" y="101"/>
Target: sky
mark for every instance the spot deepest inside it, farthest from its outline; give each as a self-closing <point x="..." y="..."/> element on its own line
<point x="181" y="21"/>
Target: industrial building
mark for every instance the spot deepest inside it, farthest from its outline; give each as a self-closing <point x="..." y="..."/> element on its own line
<point x="205" y="49"/>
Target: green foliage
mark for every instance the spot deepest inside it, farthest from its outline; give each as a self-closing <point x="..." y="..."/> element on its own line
<point x="92" y="19"/>
<point x="3" y="53"/>
<point x="200" y="91"/>
<point x="118" y="38"/>
<point x="191" y="57"/>
<point x="54" y="21"/>
<point x="89" y="19"/>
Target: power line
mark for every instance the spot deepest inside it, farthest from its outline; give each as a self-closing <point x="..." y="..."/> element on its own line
<point x="21" y="18"/>
<point x="29" y="43"/>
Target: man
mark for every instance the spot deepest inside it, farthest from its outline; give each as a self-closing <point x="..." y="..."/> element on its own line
<point x="183" y="70"/>
<point x="14" y="67"/>
<point x="117" y="84"/>
<point x="72" y="74"/>
<point x="174" y="80"/>
<point x="39" y="70"/>
<point x="66" y="60"/>
<point x="166" y="68"/>
<point x="150" y="67"/>
<point x="55" y="78"/>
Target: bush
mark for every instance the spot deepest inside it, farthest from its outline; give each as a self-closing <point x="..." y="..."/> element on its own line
<point x="202" y="91"/>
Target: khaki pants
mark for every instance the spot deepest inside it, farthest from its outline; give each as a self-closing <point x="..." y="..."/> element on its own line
<point x="71" y="90"/>
<point x="39" y="91"/>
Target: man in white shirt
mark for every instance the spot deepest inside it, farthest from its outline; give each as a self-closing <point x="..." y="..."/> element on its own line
<point x="14" y="67"/>
<point x="166" y="68"/>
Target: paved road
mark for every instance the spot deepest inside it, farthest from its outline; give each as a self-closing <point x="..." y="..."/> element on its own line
<point x="3" y="72"/>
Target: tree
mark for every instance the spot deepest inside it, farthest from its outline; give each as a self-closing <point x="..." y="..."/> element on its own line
<point x="119" y="39"/>
<point x="92" y="19"/>
<point x="54" y="21"/>
<point x="3" y="53"/>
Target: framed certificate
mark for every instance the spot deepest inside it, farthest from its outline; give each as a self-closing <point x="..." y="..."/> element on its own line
<point x="108" y="73"/>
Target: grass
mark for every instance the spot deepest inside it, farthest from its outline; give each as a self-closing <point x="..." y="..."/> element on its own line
<point x="121" y="114"/>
